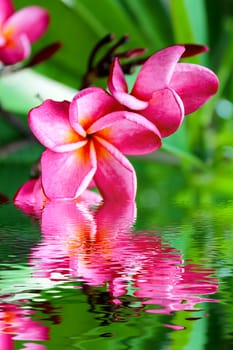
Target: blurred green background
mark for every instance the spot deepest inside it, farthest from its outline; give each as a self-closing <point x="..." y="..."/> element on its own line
<point x="199" y="156"/>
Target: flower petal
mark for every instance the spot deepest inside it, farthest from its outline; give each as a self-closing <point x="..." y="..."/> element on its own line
<point x="30" y="197"/>
<point x="118" y="87"/>
<point x="89" y="105"/>
<point x="7" y="9"/>
<point x="166" y="111"/>
<point x="194" y="49"/>
<point x="130" y="101"/>
<point x="90" y="198"/>
<point x="50" y="124"/>
<point x="194" y="84"/>
<point x="32" y="21"/>
<point x="15" y="50"/>
<point x="67" y="175"/>
<point x="157" y="71"/>
<point x="116" y="80"/>
<point x="129" y="132"/>
<point x="115" y="177"/>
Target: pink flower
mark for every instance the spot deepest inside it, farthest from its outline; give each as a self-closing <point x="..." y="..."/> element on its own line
<point x="30" y="197"/>
<point x="86" y="140"/>
<point x="19" y="29"/>
<point x="165" y="90"/>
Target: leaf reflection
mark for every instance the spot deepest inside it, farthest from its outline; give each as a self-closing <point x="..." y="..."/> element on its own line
<point x="98" y="247"/>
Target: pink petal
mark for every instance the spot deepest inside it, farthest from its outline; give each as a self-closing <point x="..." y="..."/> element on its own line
<point x="30" y="197"/>
<point x="26" y="192"/>
<point x="50" y="124"/>
<point x="129" y="132"/>
<point x="90" y="198"/>
<point x="6" y="11"/>
<point x="130" y="101"/>
<point x="15" y="50"/>
<point x="194" y="49"/>
<point x="115" y="177"/>
<point x="166" y="111"/>
<point x="32" y="21"/>
<point x="194" y="84"/>
<point x="157" y="71"/>
<point x="89" y="105"/>
<point x="116" y="80"/>
<point x="67" y="175"/>
<point x="3" y="41"/>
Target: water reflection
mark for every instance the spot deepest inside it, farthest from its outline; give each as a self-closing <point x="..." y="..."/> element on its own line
<point x="123" y="272"/>
<point x="100" y="248"/>
<point x="16" y="324"/>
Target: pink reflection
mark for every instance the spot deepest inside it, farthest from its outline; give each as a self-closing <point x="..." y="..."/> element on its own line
<point x="176" y="328"/>
<point x="16" y="324"/>
<point x="100" y="248"/>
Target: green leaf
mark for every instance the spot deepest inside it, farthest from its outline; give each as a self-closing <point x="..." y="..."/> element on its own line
<point x="12" y="176"/>
<point x="153" y="21"/>
<point x="189" y="20"/>
<point x="181" y="25"/>
<point x="185" y="156"/>
<point x="25" y="89"/>
<point x="190" y="24"/>
<point x="23" y="152"/>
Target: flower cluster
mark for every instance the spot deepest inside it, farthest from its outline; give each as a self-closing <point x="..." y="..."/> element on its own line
<point x="86" y="139"/>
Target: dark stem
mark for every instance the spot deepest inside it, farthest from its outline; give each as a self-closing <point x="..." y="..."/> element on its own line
<point x="106" y="40"/>
<point x="15" y="146"/>
<point x="100" y="68"/>
<point x="15" y="122"/>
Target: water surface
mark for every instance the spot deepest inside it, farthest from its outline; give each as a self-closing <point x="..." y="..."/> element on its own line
<point x="109" y="277"/>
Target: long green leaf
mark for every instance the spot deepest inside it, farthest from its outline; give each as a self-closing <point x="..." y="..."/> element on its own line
<point x="185" y="156"/>
<point x="26" y="89"/>
<point x="190" y="23"/>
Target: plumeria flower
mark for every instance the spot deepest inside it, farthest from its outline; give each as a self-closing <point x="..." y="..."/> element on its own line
<point x="165" y="90"/>
<point x="18" y="29"/>
<point x="86" y="140"/>
<point x="30" y="197"/>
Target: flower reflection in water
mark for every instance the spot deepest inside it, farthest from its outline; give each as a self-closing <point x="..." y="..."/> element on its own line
<point x="99" y="248"/>
<point x="16" y="324"/>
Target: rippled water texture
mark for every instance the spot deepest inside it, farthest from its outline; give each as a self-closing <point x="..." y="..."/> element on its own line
<point x="74" y="277"/>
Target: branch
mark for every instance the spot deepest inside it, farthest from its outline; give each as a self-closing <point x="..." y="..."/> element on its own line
<point x="15" y="146"/>
<point x="14" y="121"/>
